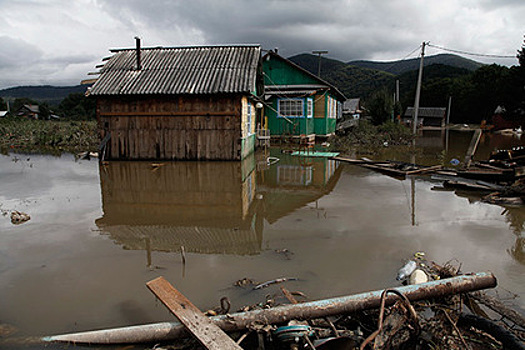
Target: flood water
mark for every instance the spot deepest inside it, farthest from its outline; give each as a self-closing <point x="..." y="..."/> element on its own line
<point x="98" y="233"/>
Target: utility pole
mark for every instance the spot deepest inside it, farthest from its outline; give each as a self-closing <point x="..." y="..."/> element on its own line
<point x="322" y="52"/>
<point x="448" y="109"/>
<point x="418" y="88"/>
<point x="397" y="90"/>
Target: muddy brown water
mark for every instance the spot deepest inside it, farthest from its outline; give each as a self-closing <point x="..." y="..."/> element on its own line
<point x="98" y="233"/>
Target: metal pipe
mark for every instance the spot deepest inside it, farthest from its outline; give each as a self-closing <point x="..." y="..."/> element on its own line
<point x="315" y="309"/>
<point x="137" y="52"/>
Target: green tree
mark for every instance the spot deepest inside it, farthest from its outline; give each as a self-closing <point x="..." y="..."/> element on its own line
<point x="3" y="105"/>
<point x="521" y="55"/>
<point x="78" y="107"/>
<point x="19" y="102"/>
<point x="380" y="106"/>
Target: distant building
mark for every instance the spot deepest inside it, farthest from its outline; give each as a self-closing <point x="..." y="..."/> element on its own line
<point x="427" y="116"/>
<point x="298" y="102"/>
<point x="29" y="111"/>
<point x="352" y="108"/>
<point x="184" y="103"/>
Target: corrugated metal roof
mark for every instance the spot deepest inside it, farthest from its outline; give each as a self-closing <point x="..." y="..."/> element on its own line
<point x="430" y="112"/>
<point x="180" y="70"/>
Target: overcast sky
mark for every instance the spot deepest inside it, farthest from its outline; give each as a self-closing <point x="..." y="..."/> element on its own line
<point x="59" y="41"/>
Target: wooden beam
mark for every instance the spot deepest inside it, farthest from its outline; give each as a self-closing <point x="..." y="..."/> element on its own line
<point x="472" y="148"/>
<point x="200" y="326"/>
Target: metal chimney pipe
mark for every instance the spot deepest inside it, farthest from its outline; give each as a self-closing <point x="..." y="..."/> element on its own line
<point x="137" y="42"/>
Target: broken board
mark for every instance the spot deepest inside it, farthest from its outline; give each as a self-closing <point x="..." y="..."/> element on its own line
<point x="206" y="332"/>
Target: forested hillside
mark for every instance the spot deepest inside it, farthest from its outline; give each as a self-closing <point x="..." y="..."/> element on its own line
<point x="52" y="95"/>
<point x="476" y="89"/>
<point x="351" y="80"/>
<point x="402" y="66"/>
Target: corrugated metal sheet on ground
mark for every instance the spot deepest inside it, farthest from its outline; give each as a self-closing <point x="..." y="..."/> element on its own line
<point x="180" y="70"/>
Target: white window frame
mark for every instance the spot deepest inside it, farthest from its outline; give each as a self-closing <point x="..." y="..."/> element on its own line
<point x="281" y="115"/>
<point x="309" y="108"/>
<point x="248" y="124"/>
<point x="332" y="108"/>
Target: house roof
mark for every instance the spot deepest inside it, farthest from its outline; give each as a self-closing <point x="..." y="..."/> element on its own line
<point x="427" y="112"/>
<point x="180" y="70"/>
<point x="30" y="108"/>
<point x="324" y="83"/>
<point x="351" y="105"/>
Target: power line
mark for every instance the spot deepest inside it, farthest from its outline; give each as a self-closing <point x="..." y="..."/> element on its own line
<point x="470" y="53"/>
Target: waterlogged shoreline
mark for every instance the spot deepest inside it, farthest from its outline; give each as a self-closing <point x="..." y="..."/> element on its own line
<point x="47" y="137"/>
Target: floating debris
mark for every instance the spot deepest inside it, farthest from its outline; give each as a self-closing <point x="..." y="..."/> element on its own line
<point x="244" y="282"/>
<point x="18" y="217"/>
<point x="406" y="270"/>
<point x="275" y="281"/>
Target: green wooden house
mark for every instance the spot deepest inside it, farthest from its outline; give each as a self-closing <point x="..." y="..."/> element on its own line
<point x="297" y="101"/>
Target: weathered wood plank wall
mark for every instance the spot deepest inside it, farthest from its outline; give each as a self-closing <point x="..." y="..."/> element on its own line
<point x="172" y="127"/>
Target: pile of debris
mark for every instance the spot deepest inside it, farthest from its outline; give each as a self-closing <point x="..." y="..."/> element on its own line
<point x="442" y="310"/>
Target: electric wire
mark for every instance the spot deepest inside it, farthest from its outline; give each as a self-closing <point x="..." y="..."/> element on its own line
<point x="470" y="53"/>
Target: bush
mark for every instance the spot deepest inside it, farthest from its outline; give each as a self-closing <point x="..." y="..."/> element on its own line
<point x="369" y="138"/>
<point x="25" y="135"/>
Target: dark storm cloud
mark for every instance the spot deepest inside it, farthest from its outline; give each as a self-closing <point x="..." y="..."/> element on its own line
<point x="59" y="41"/>
<point x="349" y="29"/>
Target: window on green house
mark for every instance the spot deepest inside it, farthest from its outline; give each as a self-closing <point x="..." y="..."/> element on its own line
<point x="309" y="108"/>
<point x="249" y="120"/>
<point x="291" y="108"/>
<point x="332" y="107"/>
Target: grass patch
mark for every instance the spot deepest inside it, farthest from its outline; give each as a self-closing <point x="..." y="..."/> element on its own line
<point x="43" y="136"/>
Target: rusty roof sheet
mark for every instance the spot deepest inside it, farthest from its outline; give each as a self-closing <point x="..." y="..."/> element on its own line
<point x="180" y="70"/>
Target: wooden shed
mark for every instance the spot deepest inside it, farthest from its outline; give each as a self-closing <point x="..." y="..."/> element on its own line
<point x="179" y="103"/>
<point x="428" y="116"/>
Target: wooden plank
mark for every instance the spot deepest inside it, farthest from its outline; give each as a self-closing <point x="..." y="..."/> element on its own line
<point x="424" y="170"/>
<point x="200" y="326"/>
<point x="472" y="148"/>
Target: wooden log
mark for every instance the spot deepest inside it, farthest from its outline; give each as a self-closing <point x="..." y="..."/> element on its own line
<point x="200" y="326"/>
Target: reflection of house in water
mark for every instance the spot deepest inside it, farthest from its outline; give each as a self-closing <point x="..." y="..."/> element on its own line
<point x="207" y="207"/>
<point x="294" y="182"/>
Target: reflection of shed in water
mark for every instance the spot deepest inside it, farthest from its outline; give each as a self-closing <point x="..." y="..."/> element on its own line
<point x="207" y="207"/>
<point x="294" y="182"/>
